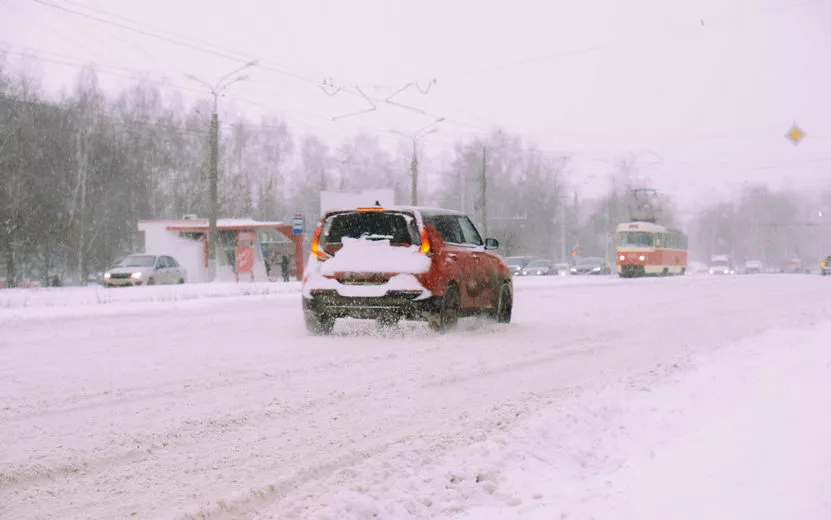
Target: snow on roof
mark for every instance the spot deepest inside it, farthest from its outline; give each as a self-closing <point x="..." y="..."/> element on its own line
<point x="222" y="223"/>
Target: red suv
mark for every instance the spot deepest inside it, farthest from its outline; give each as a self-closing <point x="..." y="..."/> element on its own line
<point x="403" y="263"/>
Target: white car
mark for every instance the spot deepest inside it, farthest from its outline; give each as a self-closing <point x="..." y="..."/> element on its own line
<point x="141" y="269"/>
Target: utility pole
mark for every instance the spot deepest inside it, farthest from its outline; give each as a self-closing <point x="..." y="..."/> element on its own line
<point x="414" y="176"/>
<point x="216" y="90"/>
<point x="563" y="256"/>
<point x="484" y="194"/>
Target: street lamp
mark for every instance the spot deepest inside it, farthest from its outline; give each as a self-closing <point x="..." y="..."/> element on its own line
<point x="415" y="137"/>
<point x="217" y="89"/>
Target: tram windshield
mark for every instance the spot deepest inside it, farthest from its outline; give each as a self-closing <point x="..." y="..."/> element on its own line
<point x="636" y="239"/>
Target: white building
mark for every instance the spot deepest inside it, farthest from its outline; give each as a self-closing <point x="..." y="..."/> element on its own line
<point x="186" y="241"/>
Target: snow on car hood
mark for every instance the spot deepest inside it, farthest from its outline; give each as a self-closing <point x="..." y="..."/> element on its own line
<point x="375" y="256"/>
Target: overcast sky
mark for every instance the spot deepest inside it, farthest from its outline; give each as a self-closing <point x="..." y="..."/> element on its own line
<point x="709" y="86"/>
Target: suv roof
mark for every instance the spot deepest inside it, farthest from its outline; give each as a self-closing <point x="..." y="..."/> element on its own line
<point x="425" y="210"/>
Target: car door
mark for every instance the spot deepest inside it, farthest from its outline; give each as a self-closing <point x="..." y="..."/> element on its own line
<point x="455" y="254"/>
<point x="161" y="274"/>
<point x="176" y="271"/>
<point x="478" y="277"/>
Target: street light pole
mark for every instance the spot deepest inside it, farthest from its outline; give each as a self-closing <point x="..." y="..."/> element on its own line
<point x="414" y="137"/>
<point x="216" y="90"/>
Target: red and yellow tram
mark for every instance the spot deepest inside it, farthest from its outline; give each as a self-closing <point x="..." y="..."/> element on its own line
<point x="649" y="249"/>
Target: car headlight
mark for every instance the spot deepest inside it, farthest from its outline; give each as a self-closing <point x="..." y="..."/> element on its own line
<point x="106" y="276"/>
<point x="136" y="275"/>
<point x="712" y="272"/>
<point x="642" y="258"/>
<point x="596" y="268"/>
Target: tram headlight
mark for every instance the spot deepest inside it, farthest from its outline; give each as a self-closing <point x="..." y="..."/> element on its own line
<point x="622" y="258"/>
<point x="642" y="258"/>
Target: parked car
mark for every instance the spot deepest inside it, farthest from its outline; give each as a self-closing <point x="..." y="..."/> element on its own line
<point x="591" y="265"/>
<point x="142" y="269"/>
<point x="753" y="267"/>
<point x="562" y="269"/>
<point x="793" y="266"/>
<point x="403" y="263"/>
<point x="516" y="263"/>
<point x="825" y="266"/>
<point x="538" y="267"/>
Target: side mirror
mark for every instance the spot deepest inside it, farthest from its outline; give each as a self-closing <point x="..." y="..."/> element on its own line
<point x="491" y="244"/>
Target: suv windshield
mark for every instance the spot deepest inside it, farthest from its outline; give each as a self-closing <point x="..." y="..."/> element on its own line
<point x="138" y="261"/>
<point x="398" y="228"/>
<point x="538" y="263"/>
<point x="720" y="262"/>
<point x="590" y="261"/>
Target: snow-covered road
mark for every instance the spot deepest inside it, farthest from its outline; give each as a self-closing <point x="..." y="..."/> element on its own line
<point x="225" y="408"/>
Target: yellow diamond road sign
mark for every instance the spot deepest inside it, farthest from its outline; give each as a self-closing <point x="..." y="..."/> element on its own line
<point x="795" y="134"/>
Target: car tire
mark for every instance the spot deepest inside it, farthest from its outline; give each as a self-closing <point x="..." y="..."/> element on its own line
<point x="446" y="317"/>
<point x="151" y="281"/>
<point x="181" y="281"/>
<point x="318" y="324"/>
<point x="504" y="305"/>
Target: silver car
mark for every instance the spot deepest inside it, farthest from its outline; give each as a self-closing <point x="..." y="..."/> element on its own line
<point x="141" y="269"/>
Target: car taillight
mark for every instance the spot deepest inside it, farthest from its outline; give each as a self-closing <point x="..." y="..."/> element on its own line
<point x="425" y="243"/>
<point x="316" y="251"/>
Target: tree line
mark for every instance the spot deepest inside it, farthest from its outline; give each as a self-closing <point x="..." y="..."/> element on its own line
<point x="81" y="169"/>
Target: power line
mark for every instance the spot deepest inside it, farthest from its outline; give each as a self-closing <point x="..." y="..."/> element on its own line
<point x="179" y="42"/>
<point x="630" y="40"/>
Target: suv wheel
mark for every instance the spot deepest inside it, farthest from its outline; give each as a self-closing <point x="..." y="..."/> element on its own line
<point x="319" y="324"/>
<point x="447" y="316"/>
<point x="504" y="305"/>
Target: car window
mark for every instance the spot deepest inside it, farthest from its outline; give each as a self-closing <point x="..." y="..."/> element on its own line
<point x="469" y="233"/>
<point x="162" y="263"/>
<point x="448" y="228"/>
<point x="138" y="261"/>
<point x="171" y="262"/>
<point x="398" y="228"/>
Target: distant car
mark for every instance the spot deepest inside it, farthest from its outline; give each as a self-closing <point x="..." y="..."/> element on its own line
<point x="753" y="267"/>
<point x="721" y="265"/>
<point x="562" y="269"/>
<point x="141" y="269"/>
<point x="825" y="266"/>
<point x="516" y="263"/>
<point x="398" y="263"/>
<point x="793" y="266"/>
<point x="538" y="267"/>
<point x="591" y="265"/>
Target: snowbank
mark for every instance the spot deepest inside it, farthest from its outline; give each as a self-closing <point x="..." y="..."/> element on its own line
<point x="97" y="300"/>
<point x="742" y="435"/>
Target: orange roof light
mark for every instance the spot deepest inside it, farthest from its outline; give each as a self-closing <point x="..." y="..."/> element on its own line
<point x="425" y="243"/>
<point x="316" y="251"/>
<point x="376" y="209"/>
